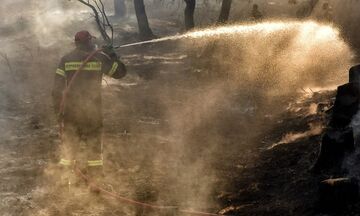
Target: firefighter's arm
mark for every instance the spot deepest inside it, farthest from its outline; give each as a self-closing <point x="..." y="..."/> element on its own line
<point x="112" y="66"/>
<point x="117" y="70"/>
<point x="59" y="86"/>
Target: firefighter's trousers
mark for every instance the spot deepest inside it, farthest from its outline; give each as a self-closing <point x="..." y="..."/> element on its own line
<point x="82" y="145"/>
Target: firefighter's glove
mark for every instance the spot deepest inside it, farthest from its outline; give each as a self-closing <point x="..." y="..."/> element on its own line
<point x="110" y="51"/>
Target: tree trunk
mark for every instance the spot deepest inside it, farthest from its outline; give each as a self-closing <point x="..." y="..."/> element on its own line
<point x="313" y="4"/>
<point x="120" y="8"/>
<point x="225" y="11"/>
<point x="304" y="12"/>
<point x="189" y="14"/>
<point x="143" y="23"/>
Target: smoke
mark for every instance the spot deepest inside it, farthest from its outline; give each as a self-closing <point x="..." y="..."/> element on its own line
<point x="246" y="69"/>
<point x="193" y="146"/>
<point x="250" y="65"/>
<point x="343" y="14"/>
<point x="315" y="129"/>
<point x="47" y="23"/>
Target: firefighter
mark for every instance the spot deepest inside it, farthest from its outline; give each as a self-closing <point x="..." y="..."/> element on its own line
<point x="79" y="110"/>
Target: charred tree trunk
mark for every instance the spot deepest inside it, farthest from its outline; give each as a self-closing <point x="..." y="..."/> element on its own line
<point x="313" y="4"/>
<point x="143" y="23"/>
<point x="120" y="8"/>
<point x="339" y="138"/>
<point x="189" y="14"/>
<point x="225" y="11"/>
<point x="304" y="12"/>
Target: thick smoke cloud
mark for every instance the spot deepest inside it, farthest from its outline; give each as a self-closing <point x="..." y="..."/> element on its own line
<point x="47" y="23"/>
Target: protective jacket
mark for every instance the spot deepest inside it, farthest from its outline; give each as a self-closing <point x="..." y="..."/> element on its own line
<point x="83" y="101"/>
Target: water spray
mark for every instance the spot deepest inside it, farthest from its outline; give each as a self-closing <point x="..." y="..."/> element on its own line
<point x="270" y="55"/>
<point x="232" y="30"/>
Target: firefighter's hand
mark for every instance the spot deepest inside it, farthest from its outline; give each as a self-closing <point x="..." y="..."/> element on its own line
<point x="109" y="50"/>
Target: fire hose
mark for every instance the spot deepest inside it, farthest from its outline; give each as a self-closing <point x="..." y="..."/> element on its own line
<point x="87" y="179"/>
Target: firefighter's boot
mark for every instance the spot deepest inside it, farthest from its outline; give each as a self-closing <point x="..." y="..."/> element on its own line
<point x="96" y="175"/>
<point x="66" y="176"/>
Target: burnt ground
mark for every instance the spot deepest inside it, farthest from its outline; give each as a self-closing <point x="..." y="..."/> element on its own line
<point x="248" y="178"/>
<point x="253" y="180"/>
<point x="163" y="145"/>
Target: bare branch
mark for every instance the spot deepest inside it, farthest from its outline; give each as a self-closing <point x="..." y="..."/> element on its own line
<point x="100" y="25"/>
<point x="107" y="21"/>
<point x="102" y="15"/>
